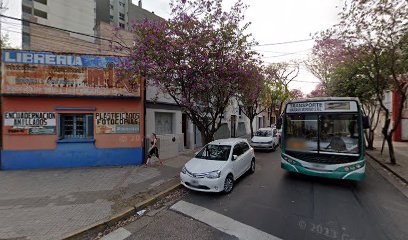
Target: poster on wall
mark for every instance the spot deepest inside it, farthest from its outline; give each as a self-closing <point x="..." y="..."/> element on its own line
<point x="46" y="73"/>
<point x="117" y="122"/>
<point x="29" y="123"/>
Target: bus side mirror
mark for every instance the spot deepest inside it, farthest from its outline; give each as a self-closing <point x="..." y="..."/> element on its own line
<point x="279" y="123"/>
<point x="366" y="122"/>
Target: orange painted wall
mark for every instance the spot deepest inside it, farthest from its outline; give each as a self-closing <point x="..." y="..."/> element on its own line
<point x="49" y="104"/>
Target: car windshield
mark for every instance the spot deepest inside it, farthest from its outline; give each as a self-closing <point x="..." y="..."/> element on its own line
<point x="263" y="133"/>
<point x="215" y="152"/>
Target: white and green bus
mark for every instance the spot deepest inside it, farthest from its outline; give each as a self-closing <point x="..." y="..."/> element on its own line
<point x="324" y="137"/>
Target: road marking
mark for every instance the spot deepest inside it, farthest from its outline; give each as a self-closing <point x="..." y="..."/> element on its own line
<point x="118" y="234"/>
<point x="221" y="222"/>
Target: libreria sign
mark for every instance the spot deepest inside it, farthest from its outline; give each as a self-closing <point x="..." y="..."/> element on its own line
<point x="55" y="59"/>
<point x="42" y="58"/>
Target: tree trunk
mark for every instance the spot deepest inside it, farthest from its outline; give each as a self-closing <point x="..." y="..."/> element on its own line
<point x="391" y="149"/>
<point x="370" y="142"/>
<point x="369" y="136"/>
<point x="206" y="137"/>
<point x="251" y="120"/>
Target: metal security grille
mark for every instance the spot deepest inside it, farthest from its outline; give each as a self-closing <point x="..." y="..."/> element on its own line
<point x="322" y="158"/>
<point x="76" y="126"/>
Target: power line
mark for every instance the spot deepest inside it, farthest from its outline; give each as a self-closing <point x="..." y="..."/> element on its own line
<point x="281" y="43"/>
<point x="60" y="29"/>
<point x="286" y="54"/>
<point x="70" y="42"/>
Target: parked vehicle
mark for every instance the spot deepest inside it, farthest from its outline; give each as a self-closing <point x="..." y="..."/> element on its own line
<point x="218" y="165"/>
<point x="265" y="138"/>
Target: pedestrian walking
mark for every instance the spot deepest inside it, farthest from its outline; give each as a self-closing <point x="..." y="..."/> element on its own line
<point x="153" y="150"/>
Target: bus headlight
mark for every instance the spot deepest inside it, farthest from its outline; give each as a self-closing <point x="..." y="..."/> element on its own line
<point x="358" y="166"/>
<point x="346" y="169"/>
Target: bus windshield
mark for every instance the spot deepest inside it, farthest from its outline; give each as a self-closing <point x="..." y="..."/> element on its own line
<point x="337" y="133"/>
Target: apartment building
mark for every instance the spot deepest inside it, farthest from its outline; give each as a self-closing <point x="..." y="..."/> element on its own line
<point x="73" y="15"/>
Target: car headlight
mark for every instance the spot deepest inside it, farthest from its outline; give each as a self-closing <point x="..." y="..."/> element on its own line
<point x="213" y="174"/>
<point x="184" y="170"/>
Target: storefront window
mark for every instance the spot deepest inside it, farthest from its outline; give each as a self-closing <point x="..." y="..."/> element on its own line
<point x="76" y="126"/>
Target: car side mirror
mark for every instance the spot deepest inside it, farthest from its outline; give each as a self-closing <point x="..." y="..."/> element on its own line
<point x="366" y="122"/>
<point x="234" y="157"/>
<point x="279" y="123"/>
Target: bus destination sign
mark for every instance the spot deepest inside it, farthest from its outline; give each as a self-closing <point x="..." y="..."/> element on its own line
<point x="305" y="107"/>
<point x="332" y="106"/>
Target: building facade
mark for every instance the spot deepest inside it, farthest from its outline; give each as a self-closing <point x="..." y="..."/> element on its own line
<point x="75" y="15"/>
<point x="175" y="131"/>
<point x="68" y="110"/>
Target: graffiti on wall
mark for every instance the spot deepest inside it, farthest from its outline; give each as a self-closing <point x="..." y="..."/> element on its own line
<point x="44" y="73"/>
<point x="117" y="122"/>
<point x="29" y="123"/>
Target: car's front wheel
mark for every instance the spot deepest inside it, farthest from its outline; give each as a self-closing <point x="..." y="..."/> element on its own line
<point x="228" y="184"/>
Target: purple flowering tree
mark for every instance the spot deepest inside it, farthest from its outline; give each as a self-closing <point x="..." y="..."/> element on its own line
<point x="197" y="57"/>
<point x="296" y="94"/>
<point x="252" y="91"/>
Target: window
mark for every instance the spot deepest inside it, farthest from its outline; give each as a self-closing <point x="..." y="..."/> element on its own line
<point x="26" y="9"/>
<point x="237" y="150"/>
<point x="122" y="16"/>
<point x="111" y="17"/>
<point x="339" y="133"/>
<point x="26" y="38"/>
<point x="215" y="152"/>
<point x="240" y="112"/>
<point x="263" y="133"/>
<point x="121" y="4"/>
<point x="40" y="13"/>
<point x="41" y="1"/>
<point x="244" y="147"/>
<point x="164" y="123"/>
<point x="111" y="6"/>
<point x="122" y="25"/>
<point x="76" y="126"/>
<point x="302" y="132"/>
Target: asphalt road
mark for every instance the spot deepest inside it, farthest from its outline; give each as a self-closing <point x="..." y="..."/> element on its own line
<point x="274" y="203"/>
<point x="291" y="206"/>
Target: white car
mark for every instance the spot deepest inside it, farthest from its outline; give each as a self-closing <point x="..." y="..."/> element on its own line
<point x="265" y="138"/>
<point x="218" y="165"/>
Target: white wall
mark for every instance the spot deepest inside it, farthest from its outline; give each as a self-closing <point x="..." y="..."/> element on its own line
<point x="167" y="148"/>
<point x="154" y="94"/>
<point x="74" y="15"/>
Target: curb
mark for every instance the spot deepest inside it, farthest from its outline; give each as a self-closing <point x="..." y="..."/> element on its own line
<point x="388" y="168"/>
<point x="102" y="225"/>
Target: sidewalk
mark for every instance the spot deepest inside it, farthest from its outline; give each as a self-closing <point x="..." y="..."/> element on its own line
<point x="51" y="204"/>
<point x="401" y="154"/>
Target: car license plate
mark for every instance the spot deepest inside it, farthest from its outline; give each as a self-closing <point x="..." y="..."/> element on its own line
<point x="319" y="166"/>
<point x="194" y="182"/>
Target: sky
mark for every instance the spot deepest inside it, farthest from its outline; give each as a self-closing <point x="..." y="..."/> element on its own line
<point x="272" y="21"/>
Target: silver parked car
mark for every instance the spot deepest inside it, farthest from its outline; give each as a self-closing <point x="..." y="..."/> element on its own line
<point x="265" y="138"/>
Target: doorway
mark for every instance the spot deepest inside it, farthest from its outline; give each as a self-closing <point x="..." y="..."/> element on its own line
<point x="233" y="125"/>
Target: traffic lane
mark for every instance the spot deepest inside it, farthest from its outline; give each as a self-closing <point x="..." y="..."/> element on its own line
<point x="293" y="206"/>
